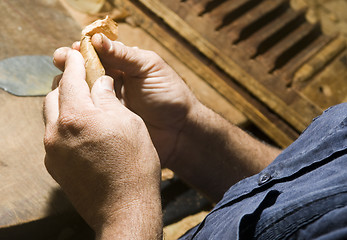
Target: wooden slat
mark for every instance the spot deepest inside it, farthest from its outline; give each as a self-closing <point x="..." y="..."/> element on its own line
<point x="320" y="60"/>
<point x="271" y="57"/>
<point x="174" y="5"/>
<point x="234" y="29"/>
<point x="200" y="5"/>
<point x="329" y="86"/>
<point x="253" y="46"/>
<point x="228" y="13"/>
<point x="298" y="60"/>
<point x="222" y="10"/>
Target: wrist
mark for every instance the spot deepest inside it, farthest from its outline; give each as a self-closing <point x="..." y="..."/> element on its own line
<point x="194" y="126"/>
<point x="137" y="219"/>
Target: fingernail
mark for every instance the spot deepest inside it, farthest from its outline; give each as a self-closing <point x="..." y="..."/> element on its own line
<point x="75" y="45"/>
<point x="59" y="53"/>
<point x="120" y="43"/>
<point x="106" y="42"/>
<point x="107" y="83"/>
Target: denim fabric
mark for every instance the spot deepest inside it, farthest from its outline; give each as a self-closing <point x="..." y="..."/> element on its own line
<point x="302" y="194"/>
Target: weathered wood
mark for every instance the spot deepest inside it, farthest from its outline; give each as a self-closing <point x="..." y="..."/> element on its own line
<point x="204" y="25"/>
<point x="27" y="189"/>
<point x="172" y="4"/>
<point x="271" y="59"/>
<point x="219" y="13"/>
<point x="320" y="60"/>
<point x="230" y="11"/>
<point x="28" y="192"/>
<point x="268" y="34"/>
<point x="234" y="30"/>
<point x="229" y="65"/>
<point x="258" y="44"/>
<point x="25" y="32"/>
<point x="289" y="69"/>
<point x="329" y="86"/>
<point x="200" y="5"/>
<point x="238" y="97"/>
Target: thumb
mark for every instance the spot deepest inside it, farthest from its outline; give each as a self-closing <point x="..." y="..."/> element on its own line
<point x="116" y="55"/>
<point x="103" y="94"/>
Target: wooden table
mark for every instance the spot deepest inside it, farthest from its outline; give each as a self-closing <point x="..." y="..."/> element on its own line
<point x="27" y="192"/>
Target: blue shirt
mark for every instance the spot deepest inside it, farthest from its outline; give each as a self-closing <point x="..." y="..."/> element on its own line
<point x="302" y="194"/>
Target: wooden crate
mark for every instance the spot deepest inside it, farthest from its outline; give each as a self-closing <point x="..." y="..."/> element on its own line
<point x="262" y="56"/>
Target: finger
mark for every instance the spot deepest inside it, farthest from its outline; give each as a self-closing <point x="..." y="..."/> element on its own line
<point x="56" y="81"/>
<point x="73" y="90"/>
<point x="59" y="57"/>
<point x="76" y="45"/>
<point x="118" y="56"/>
<point x="118" y="81"/>
<point x="103" y="94"/>
<point x="51" y="108"/>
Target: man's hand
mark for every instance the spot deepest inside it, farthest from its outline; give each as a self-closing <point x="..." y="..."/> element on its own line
<point x="148" y="87"/>
<point x="102" y="156"/>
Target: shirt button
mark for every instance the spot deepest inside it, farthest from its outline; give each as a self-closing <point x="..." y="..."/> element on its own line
<point x="264" y="177"/>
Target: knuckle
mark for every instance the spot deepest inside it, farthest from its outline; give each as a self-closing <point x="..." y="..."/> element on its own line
<point x="49" y="142"/>
<point x="136" y="120"/>
<point x="154" y="57"/>
<point x="71" y="123"/>
<point x="155" y="61"/>
<point x="123" y="52"/>
<point x="51" y="145"/>
<point x="51" y="166"/>
<point x="50" y="96"/>
<point x="48" y="164"/>
<point x="136" y="123"/>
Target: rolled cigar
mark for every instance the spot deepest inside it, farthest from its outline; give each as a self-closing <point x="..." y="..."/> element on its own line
<point x="94" y="68"/>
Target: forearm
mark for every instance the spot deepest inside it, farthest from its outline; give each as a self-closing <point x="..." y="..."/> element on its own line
<point x="212" y="154"/>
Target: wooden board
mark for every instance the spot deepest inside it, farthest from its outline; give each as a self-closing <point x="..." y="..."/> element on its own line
<point x="27" y="191"/>
<point x="257" y="72"/>
<point x="329" y="87"/>
<point x="259" y="114"/>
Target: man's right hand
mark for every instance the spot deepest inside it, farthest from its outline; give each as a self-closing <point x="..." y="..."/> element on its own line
<point x="150" y="88"/>
<point x="147" y="86"/>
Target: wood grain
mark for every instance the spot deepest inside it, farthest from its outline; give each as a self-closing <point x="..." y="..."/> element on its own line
<point x="228" y="64"/>
<point x="266" y="76"/>
<point x="27" y="191"/>
<point x="233" y="93"/>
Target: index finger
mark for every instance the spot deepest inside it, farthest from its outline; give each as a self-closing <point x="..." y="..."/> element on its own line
<point x="74" y="92"/>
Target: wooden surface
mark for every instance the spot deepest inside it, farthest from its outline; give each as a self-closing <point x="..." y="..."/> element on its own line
<point x="27" y="191"/>
<point x="236" y="95"/>
<point x="286" y="41"/>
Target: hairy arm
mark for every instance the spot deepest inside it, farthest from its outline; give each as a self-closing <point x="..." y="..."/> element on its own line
<point x="211" y="154"/>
